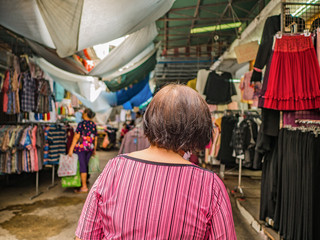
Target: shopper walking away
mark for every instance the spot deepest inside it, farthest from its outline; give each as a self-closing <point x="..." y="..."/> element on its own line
<point x="155" y="193"/>
<point x="84" y="144"/>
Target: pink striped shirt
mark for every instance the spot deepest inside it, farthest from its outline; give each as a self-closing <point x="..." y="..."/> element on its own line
<point x="138" y="199"/>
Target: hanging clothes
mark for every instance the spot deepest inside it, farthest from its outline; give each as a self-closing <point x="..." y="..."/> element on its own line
<point x="296" y="87"/>
<point x="202" y="77"/>
<point x="57" y="143"/>
<point x="244" y="141"/>
<point x="28" y="92"/>
<point x="219" y="88"/>
<point x="5" y="90"/>
<point x="44" y="94"/>
<point x="247" y="90"/>
<point x="134" y="140"/>
<point x="225" y="152"/>
<point x="271" y="27"/>
<point x="289" y="187"/>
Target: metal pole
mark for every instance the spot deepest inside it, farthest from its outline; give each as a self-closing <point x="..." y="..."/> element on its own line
<point x="282" y="17"/>
<point x="239" y="177"/>
<point x="53" y="184"/>
<point x="37" y="187"/>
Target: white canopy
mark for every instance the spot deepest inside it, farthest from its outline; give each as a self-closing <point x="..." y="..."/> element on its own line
<point x="126" y="51"/>
<point x="70" y="26"/>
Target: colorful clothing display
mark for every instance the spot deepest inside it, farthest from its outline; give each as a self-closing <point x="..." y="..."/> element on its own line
<point x="19" y="150"/>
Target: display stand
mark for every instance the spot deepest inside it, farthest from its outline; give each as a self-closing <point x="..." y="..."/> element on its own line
<point x="239" y="188"/>
<point x="37" y="187"/>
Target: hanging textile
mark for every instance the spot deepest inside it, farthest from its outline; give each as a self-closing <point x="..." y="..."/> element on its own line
<point x="140" y="98"/>
<point x="70" y="26"/>
<point x="134" y="76"/>
<point x="86" y="86"/>
<point x="127" y="93"/>
<point x="133" y="45"/>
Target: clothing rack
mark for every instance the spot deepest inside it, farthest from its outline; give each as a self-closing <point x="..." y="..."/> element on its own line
<point x="242" y="113"/>
<point x="53" y="184"/>
<point x="308" y="121"/>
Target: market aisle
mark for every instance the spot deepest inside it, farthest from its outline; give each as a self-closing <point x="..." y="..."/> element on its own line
<point x="53" y="215"/>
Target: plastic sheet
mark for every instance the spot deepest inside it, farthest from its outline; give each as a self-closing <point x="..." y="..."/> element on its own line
<point x="70" y="26"/>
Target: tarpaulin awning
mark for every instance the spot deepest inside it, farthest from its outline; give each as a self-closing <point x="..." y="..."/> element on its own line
<point x="132" y="46"/>
<point x="134" y="76"/>
<point x="135" y="47"/>
<point x="69" y="26"/>
<point x="139" y="99"/>
<point x="127" y="93"/>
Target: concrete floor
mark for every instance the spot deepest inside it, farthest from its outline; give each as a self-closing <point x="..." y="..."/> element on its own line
<point x="54" y="214"/>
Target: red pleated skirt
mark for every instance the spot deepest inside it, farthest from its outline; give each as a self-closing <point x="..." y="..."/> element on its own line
<point x="294" y="75"/>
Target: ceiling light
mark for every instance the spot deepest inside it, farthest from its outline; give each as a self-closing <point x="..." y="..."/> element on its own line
<point x="216" y="27"/>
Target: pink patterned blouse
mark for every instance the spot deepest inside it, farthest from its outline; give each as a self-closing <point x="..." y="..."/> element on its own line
<point x="139" y="199"/>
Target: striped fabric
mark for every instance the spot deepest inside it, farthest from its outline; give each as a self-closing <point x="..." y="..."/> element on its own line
<point x="138" y="199"/>
<point x="57" y="143"/>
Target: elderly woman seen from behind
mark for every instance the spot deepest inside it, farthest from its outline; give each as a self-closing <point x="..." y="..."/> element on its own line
<point x="155" y="193"/>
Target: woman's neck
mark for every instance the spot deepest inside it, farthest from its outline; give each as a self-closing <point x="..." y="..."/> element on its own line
<point x="156" y="154"/>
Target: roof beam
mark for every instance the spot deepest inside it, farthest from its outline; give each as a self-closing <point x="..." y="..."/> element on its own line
<point x="166" y="32"/>
<point x="204" y="19"/>
<point x="194" y="6"/>
<point x="195" y="15"/>
<point x="225" y="44"/>
<point x="196" y="34"/>
<point x="240" y="8"/>
<point x="181" y="14"/>
<point x="210" y="11"/>
<point x="206" y="5"/>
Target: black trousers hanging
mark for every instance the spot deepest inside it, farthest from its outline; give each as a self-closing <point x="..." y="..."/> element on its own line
<point x="294" y="171"/>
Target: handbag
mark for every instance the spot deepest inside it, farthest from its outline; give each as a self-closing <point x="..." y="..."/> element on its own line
<point x="94" y="164"/>
<point x="106" y="141"/>
<point x="67" y="165"/>
<point x="72" y="181"/>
